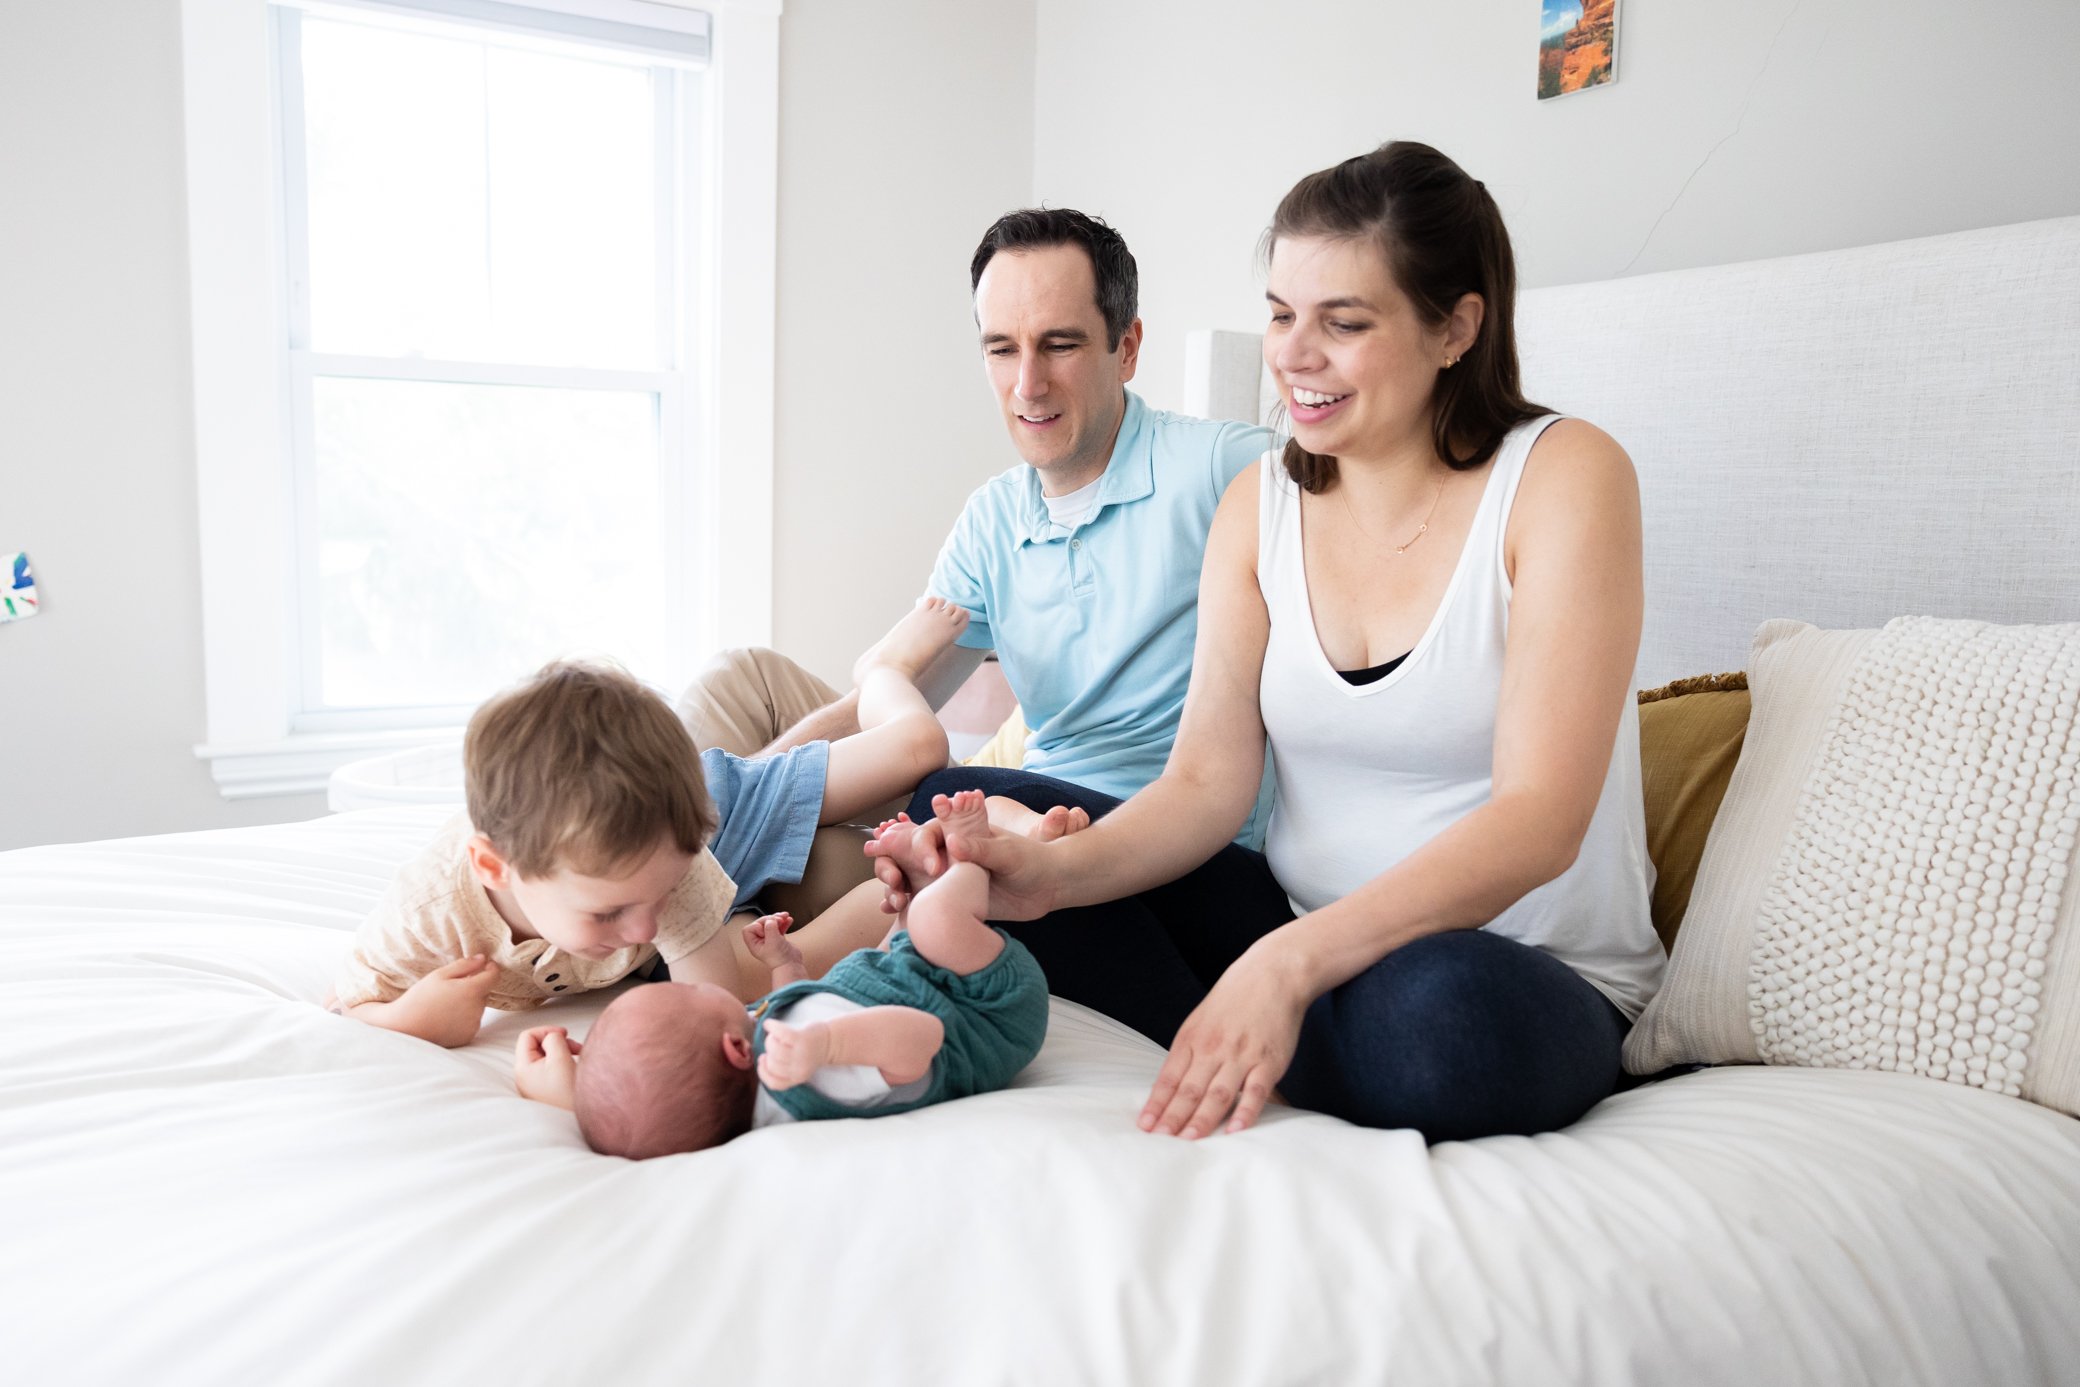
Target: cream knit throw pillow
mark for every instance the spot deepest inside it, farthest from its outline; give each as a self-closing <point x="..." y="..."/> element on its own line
<point x="1886" y="885"/>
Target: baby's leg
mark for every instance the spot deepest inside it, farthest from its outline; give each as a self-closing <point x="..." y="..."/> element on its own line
<point x="947" y="918"/>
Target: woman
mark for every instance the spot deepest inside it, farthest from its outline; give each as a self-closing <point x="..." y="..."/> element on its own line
<point x="1429" y="606"/>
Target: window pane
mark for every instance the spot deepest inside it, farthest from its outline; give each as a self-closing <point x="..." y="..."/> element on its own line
<point x="474" y="201"/>
<point x="467" y="533"/>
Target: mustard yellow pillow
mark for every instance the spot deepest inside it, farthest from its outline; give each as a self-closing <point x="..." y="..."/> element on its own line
<point x="1008" y="747"/>
<point x="1690" y="735"/>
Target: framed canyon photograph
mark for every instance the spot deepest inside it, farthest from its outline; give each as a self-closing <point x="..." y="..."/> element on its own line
<point x="1577" y="45"/>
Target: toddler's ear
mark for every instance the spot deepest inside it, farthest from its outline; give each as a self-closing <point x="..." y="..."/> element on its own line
<point x="736" y="1049"/>
<point x="489" y="866"/>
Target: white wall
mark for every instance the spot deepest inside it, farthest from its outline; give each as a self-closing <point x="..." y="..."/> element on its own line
<point x="1783" y="126"/>
<point x="905" y="130"/>
<point x="1733" y="132"/>
<point x="103" y="690"/>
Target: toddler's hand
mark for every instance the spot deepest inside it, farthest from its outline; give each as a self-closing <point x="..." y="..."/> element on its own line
<point x="793" y="1053"/>
<point x="447" y="1004"/>
<point x="545" y="1066"/>
<point x="767" y="939"/>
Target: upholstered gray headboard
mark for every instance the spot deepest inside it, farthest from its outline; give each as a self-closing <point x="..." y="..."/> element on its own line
<point x="1842" y="438"/>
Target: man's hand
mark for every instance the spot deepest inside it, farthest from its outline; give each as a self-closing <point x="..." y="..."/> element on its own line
<point x="545" y="1066"/>
<point x="444" y="1007"/>
<point x="793" y="1053"/>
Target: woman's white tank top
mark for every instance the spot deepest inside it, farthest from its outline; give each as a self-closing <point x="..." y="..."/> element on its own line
<point x="1368" y="773"/>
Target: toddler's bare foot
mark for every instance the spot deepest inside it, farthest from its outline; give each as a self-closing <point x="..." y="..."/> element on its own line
<point x="963" y="818"/>
<point x="917" y="640"/>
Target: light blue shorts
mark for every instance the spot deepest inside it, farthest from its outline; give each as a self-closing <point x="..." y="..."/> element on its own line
<point x="766" y="812"/>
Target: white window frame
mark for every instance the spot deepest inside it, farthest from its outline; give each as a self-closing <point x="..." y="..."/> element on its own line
<point x="246" y="393"/>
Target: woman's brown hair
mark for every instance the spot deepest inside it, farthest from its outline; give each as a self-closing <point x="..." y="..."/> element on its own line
<point x="1442" y="238"/>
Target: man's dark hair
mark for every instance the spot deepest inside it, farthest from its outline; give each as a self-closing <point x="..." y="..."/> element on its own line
<point x="1036" y="228"/>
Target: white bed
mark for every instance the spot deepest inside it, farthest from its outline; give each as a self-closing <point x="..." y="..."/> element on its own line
<point x="206" y="1179"/>
<point x="209" y="1180"/>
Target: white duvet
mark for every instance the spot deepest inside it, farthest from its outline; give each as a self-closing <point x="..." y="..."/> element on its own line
<point x="206" y="1179"/>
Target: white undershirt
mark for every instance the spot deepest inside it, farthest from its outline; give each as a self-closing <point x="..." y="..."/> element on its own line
<point x="856" y="1085"/>
<point x="1072" y="508"/>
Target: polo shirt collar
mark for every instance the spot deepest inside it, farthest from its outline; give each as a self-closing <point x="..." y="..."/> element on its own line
<point x="1129" y="475"/>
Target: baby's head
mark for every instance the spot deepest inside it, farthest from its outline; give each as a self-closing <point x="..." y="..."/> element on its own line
<point x="667" y="1068"/>
<point x="589" y="805"/>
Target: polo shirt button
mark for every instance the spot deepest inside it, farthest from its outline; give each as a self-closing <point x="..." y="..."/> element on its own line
<point x="1076" y="544"/>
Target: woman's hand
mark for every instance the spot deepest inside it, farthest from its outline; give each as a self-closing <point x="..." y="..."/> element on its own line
<point x="1232" y="1049"/>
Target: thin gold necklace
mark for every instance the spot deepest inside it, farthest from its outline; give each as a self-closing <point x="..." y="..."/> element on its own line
<point x="1421" y="529"/>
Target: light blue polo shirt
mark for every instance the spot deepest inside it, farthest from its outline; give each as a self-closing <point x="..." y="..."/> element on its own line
<point x="1094" y="627"/>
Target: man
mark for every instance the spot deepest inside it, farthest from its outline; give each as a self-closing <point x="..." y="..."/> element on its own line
<point x="1080" y="566"/>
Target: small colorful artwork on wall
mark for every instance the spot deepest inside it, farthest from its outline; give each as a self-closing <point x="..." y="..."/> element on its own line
<point x="1577" y="45"/>
<point x="17" y="588"/>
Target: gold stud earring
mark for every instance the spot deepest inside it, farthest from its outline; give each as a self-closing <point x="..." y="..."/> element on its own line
<point x="1450" y="362"/>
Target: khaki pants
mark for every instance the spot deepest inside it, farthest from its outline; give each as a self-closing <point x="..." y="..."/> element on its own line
<point x="740" y="702"/>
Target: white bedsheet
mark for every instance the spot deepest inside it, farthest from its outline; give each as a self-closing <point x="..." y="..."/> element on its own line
<point x="206" y="1179"/>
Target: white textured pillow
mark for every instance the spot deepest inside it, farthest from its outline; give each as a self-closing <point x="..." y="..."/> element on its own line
<point x="1887" y="883"/>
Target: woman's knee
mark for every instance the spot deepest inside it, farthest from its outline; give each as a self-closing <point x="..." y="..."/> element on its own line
<point x="1459" y="1036"/>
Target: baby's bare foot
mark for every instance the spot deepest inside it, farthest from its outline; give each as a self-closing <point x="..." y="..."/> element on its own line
<point x="964" y="817"/>
<point x="917" y="640"/>
<point x="899" y="842"/>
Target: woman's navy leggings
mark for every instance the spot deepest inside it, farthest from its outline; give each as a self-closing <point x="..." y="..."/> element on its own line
<point x="1457" y="1035"/>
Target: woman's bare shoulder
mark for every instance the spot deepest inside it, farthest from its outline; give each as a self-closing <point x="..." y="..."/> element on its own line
<point x="1578" y="485"/>
<point x="1572" y="464"/>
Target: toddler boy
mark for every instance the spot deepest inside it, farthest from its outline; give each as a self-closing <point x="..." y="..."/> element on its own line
<point x="598" y="840"/>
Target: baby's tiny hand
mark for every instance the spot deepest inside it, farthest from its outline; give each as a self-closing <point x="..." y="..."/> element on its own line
<point x="545" y="1066"/>
<point x="793" y="1053"/>
<point x="767" y="939"/>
